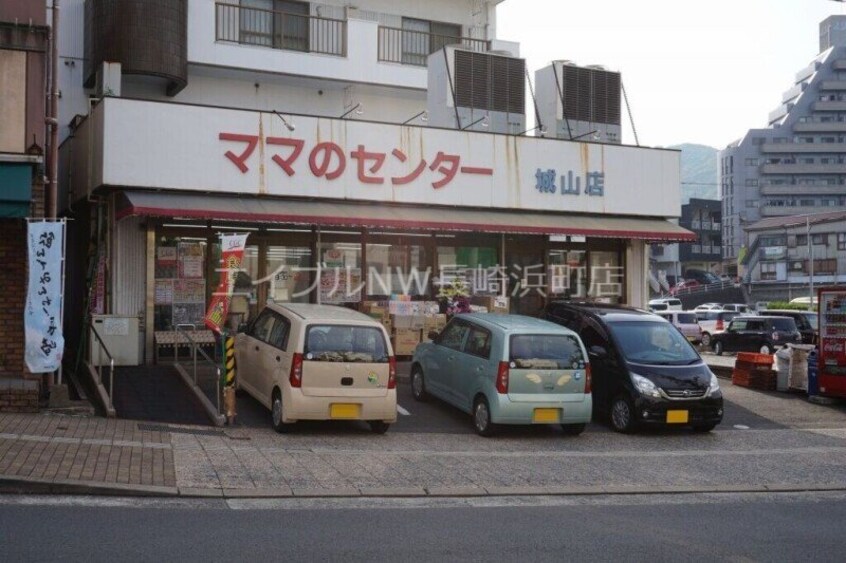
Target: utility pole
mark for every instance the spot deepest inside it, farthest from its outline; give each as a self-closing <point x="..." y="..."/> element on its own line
<point x="51" y="203"/>
<point x="810" y="264"/>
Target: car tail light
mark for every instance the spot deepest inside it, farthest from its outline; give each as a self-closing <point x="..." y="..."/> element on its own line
<point x="296" y="377"/>
<point x="502" y="378"/>
<point x="587" y="378"/>
<point x="775" y="336"/>
<point x="392" y="372"/>
<point x="720" y="325"/>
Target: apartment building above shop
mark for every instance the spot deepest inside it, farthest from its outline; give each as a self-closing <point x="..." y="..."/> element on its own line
<point x="319" y="58"/>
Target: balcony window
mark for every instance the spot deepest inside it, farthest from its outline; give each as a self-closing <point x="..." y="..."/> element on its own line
<point x="768" y="270"/>
<point x="280" y="24"/>
<point x="420" y="38"/>
<point x="825" y="266"/>
<point x="841" y="241"/>
<point x="820" y="239"/>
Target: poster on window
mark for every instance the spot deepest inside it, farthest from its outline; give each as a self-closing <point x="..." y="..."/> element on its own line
<point x="340" y="285"/>
<point x="191" y="260"/>
<point x="189" y="291"/>
<point x="45" y="342"/>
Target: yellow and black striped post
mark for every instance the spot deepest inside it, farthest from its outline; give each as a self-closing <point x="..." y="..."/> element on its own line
<point x="229" y="347"/>
<point x="229" y="378"/>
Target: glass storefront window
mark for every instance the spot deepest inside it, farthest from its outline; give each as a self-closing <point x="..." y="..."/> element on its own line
<point x="289" y="273"/>
<point x="396" y="269"/>
<point x="180" y="282"/>
<point x="340" y="272"/>
<point x="475" y="265"/>
<point x="606" y="276"/>
<point x="568" y="274"/>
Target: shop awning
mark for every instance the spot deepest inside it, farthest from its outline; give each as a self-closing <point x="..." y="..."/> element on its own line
<point x="372" y="215"/>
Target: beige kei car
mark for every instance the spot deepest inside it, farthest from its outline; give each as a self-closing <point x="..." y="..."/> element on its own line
<point x="318" y="362"/>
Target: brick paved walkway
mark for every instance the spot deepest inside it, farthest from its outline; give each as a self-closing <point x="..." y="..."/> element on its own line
<point x="806" y="447"/>
<point x="50" y="447"/>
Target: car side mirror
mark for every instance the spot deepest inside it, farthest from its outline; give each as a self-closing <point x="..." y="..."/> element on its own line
<point x="598" y="352"/>
<point x="433" y="334"/>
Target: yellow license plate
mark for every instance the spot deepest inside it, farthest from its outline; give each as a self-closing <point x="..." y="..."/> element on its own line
<point x="677" y="417"/>
<point x="546" y="415"/>
<point x="344" y="410"/>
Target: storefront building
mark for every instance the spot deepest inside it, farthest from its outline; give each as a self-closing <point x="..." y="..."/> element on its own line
<point x="339" y="207"/>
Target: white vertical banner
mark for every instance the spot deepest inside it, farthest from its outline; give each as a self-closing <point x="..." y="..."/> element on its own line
<point x="45" y="343"/>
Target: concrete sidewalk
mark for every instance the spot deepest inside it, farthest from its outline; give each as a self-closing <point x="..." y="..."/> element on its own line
<point x="47" y="453"/>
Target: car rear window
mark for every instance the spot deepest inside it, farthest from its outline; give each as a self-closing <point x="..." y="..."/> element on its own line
<point x="659" y="306"/>
<point x="337" y="343"/>
<point x="545" y="351"/>
<point x="686" y="319"/>
<point x="785" y="325"/>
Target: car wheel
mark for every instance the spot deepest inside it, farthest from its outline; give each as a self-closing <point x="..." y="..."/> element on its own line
<point x="573" y="429"/>
<point x="703" y="427"/>
<point x="378" y="426"/>
<point x="622" y="415"/>
<point x="765" y="349"/>
<point x="276" y="413"/>
<point x="718" y="348"/>
<point x="706" y="339"/>
<point x="482" y="418"/>
<point x="418" y="385"/>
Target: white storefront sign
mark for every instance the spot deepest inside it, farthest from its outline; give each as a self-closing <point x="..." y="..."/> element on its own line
<point x="172" y="146"/>
<point x="45" y="343"/>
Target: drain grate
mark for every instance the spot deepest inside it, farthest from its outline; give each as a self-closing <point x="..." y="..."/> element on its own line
<point x="174" y="430"/>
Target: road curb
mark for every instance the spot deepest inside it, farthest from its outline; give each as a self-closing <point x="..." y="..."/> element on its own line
<point x="33" y="486"/>
<point x="11" y="484"/>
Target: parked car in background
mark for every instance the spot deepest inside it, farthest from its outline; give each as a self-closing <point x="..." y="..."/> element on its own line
<point x="665" y="304"/>
<point x="684" y="285"/>
<point x="701" y="276"/>
<point x="685" y="321"/>
<point x="761" y="306"/>
<point x="506" y="369"/>
<point x="713" y="322"/>
<point x="644" y="370"/>
<point x="756" y="334"/>
<point x="807" y="322"/>
<point x="709" y="307"/>
<point x="318" y="362"/>
<point x="739" y="307"/>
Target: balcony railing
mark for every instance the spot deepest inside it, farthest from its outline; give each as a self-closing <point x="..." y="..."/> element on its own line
<point x="695" y="225"/>
<point x="280" y="30"/>
<point x="414" y="47"/>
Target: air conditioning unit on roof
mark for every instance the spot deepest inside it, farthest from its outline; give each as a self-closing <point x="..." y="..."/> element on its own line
<point x="477" y="91"/>
<point x="580" y="103"/>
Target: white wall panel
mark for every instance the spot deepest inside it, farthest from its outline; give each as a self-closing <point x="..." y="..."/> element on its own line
<point x="174" y="146"/>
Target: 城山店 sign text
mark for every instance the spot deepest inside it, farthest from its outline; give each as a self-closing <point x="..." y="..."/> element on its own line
<point x="571" y="183"/>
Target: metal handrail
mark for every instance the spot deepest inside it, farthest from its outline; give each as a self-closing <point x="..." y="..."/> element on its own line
<point x="407" y="46"/>
<point x="101" y="348"/>
<point x="280" y="30"/>
<point x="195" y="347"/>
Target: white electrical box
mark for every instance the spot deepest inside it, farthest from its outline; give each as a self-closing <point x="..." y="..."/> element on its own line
<point x="120" y="335"/>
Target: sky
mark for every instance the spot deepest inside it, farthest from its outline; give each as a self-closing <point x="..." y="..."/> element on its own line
<point x="694" y="72"/>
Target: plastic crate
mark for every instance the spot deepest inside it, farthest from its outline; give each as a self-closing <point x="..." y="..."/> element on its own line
<point x="753" y="358"/>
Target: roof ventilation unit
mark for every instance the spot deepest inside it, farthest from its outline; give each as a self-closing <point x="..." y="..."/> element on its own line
<point x="579" y="103"/>
<point x="477" y="91"/>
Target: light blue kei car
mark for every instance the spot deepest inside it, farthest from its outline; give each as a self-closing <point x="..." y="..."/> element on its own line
<point x="506" y="369"/>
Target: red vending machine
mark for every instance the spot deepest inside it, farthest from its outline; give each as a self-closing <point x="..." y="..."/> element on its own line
<point x="832" y="360"/>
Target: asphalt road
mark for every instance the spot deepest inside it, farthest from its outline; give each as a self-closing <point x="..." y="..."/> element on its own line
<point x="766" y="527"/>
<point x="437" y="416"/>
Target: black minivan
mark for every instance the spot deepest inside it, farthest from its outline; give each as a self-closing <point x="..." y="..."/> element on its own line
<point x="644" y="370"/>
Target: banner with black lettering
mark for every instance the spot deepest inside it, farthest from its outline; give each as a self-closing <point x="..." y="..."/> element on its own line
<point x="45" y="343"/>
